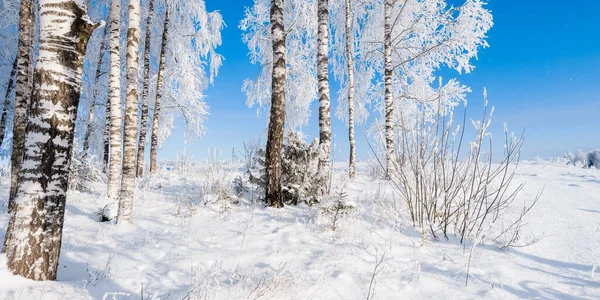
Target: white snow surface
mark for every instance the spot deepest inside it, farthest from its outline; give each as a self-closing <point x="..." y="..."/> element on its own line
<point x="178" y="247"/>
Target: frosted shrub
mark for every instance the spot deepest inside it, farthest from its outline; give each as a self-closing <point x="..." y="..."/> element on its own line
<point x="83" y="173"/>
<point x="301" y="180"/>
<point x="451" y="188"/>
<point x="338" y="208"/>
<point x="584" y="160"/>
<point x="300" y="177"/>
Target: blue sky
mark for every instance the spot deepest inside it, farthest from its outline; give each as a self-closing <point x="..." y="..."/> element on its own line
<point x="542" y="70"/>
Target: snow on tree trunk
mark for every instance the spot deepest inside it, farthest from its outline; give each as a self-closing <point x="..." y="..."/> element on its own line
<point x="114" y="98"/>
<point x="143" y="127"/>
<point x="24" y="85"/>
<point x="389" y="100"/>
<point x="90" y="121"/>
<point x="131" y="115"/>
<point x="35" y="230"/>
<point x="5" y="106"/>
<point x="159" y="88"/>
<point x="324" y="96"/>
<point x="351" y="90"/>
<point x="274" y="194"/>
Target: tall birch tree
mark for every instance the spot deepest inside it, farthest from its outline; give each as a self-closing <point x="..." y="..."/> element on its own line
<point x="34" y="233"/>
<point x="274" y="193"/>
<point x="159" y="92"/>
<point x="145" y="92"/>
<point x="114" y="98"/>
<point x="131" y="116"/>
<point x="324" y="94"/>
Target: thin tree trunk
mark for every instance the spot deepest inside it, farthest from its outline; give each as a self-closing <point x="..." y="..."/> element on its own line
<point x="5" y="106"/>
<point x="324" y="99"/>
<point x="35" y="229"/>
<point x="351" y="90"/>
<point x="159" y="88"/>
<point x="90" y="122"/>
<point x="131" y="115"/>
<point x="114" y="98"/>
<point x="273" y="159"/>
<point x="107" y="135"/>
<point x="389" y="100"/>
<point x="23" y="91"/>
<point x="144" y="125"/>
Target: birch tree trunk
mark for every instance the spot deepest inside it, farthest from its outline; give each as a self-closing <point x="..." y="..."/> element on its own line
<point x="5" y="106"/>
<point x="131" y="115"/>
<point x="324" y="95"/>
<point x="114" y="97"/>
<point x="273" y="159"/>
<point x="90" y="122"/>
<point x="143" y="127"/>
<point x="351" y="90"/>
<point x="159" y="88"/>
<point x="23" y="89"/>
<point x="34" y="234"/>
<point x="389" y="100"/>
<point x="107" y="135"/>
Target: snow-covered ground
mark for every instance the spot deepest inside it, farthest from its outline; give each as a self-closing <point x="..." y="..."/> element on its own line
<point x="178" y="247"/>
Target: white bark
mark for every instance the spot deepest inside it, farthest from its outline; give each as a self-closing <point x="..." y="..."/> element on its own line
<point x="389" y="100"/>
<point x="34" y="234"/>
<point x="324" y="93"/>
<point x="114" y="96"/>
<point x="351" y="90"/>
<point x="131" y="116"/>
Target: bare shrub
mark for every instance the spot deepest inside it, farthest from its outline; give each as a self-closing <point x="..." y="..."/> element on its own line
<point x="448" y="191"/>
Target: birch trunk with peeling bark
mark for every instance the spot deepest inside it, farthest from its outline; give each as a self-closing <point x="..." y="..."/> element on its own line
<point x="34" y="233"/>
<point x="114" y="97"/>
<point x="131" y="116"/>
<point x="351" y="90"/>
<point x="389" y="100"/>
<point x="159" y="88"/>
<point x="273" y="157"/>
<point x="144" y="125"/>
<point x="324" y="93"/>
<point x="24" y="84"/>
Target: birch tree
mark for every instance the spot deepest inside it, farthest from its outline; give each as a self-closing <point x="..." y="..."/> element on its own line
<point x="34" y="233"/>
<point x="191" y="64"/>
<point x="131" y="116"/>
<point x="324" y="96"/>
<point x="145" y="92"/>
<point x="114" y="98"/>
<point x="24" y="84"/>
<point x="418" y="38"/>
<point x="274" y="194"/>
<point x="158" y="99"/>
<point x="95" y="88"/>
<point x="6" y="103"/>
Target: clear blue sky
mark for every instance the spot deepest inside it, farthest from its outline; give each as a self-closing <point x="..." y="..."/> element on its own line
<point x="542" y="70"/>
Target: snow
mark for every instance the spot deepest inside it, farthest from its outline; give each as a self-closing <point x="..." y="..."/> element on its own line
<point x="179" y="247"/>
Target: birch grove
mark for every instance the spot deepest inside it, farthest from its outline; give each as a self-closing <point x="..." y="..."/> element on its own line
<point x="33" y="240"/>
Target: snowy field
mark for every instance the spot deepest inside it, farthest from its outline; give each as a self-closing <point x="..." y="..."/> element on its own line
<point x="186" y="245"/>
